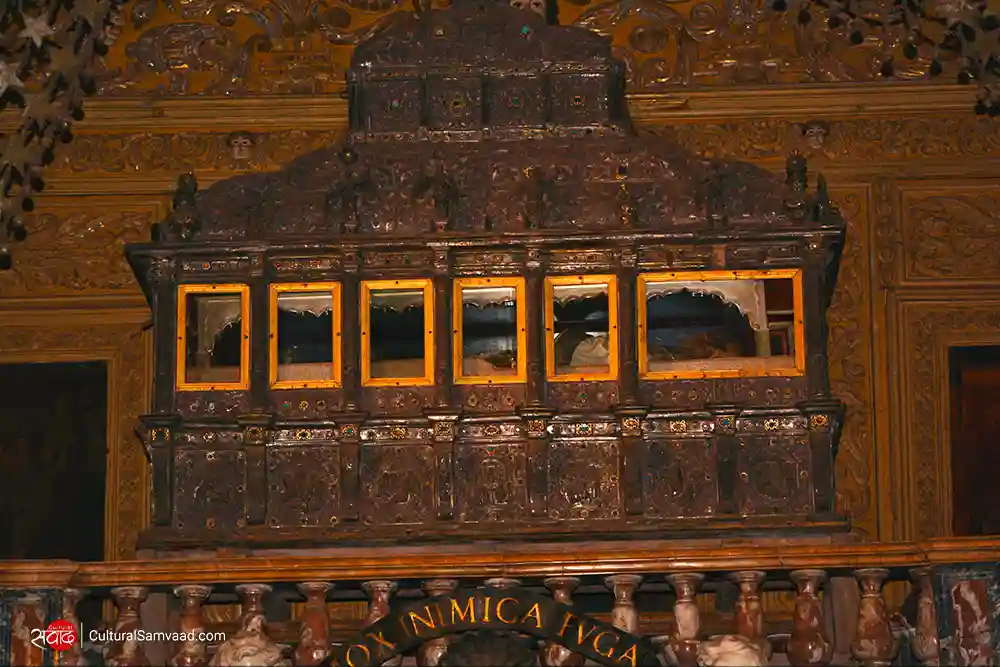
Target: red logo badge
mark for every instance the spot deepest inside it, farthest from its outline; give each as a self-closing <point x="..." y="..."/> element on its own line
<point x="59" y="636"/>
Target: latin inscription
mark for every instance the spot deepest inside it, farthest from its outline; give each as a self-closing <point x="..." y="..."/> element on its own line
<point x="411" y="625"/>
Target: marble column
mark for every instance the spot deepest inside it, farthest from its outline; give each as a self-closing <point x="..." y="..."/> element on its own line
<point x="191" y="652"/>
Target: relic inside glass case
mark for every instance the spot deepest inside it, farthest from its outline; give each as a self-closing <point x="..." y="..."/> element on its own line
<point x="397" y="327"/>
<point x="305" y="335"/>
<point x="489" y="330"/>
<point x="213" y="337"/>
<point x="719" y="324"/>
<point x="581" y="328"/>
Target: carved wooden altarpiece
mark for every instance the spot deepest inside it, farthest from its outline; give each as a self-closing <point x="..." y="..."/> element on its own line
<point x="491" y="311"/>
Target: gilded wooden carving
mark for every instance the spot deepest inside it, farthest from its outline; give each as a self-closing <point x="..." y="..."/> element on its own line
<point x="952" y="235"/>
<point x="207" y="47"/>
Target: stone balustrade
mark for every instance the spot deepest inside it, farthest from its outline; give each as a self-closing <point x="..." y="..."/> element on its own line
<point x="803" y="605"/>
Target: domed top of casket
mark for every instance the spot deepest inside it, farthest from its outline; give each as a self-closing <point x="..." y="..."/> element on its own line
<point x="483" y="119"/>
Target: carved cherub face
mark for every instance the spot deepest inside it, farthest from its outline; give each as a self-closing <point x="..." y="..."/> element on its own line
<point x="537" y="6"/>
<point x="241" y="145"/>
<point x="815" y="133"/>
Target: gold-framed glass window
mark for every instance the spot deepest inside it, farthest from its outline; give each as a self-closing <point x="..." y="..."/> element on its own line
<point x="489" y="334"/>
<point x="213" y="337"/>
<point x="703" y="324"/>
<point x="304" y="335"/>
<point x="397" y="332"/>
<point x="581" y="328"/>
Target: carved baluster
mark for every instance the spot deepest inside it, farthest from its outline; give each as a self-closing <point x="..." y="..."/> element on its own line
<point x="192" y="652"/>
<point x="553" y="654"/>
<point x="683" y="646"/>
<point x="925" y="637"/>
<point x="874" y="644"/>
<point x="749" y="618"/>
<point x="809" y="645"/>
<point x="127" y="652"/>
<point x="624" y="615"/>
<point x="27" y="620"/>
<point x="379" y="593"/>
<point x="314" y="628"/>
<point x="430" y="652"/>
<point x="502" y="583"/>
<point x="251" y="645"/>
<point x="73" y="656"/>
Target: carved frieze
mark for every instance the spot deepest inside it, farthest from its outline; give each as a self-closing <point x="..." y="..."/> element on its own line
<point x="76" y="245"/>
<point x="954" y="235"/>
<point x="208" y="47"/>
<point x="682" y="477"/>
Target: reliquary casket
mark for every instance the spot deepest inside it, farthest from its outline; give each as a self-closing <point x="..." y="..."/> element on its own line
<point x="491" y="311"/>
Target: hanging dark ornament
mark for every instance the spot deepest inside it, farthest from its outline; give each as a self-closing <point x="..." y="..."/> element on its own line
<point x="981" y="109"/>
<point x="27" y="204"/>
<point x="965" y="77"/>
<point x="990" y="23"/>
<point x="935" y="68"/>
<point x="16" y="230"/>
<point x="887" y="69"/>
<point x="804" y="17"/>
<point x="100" y="48"/>
<point x="910" y="50"/>
<point x="779" y="5"/>
<point x="77" y="114"/>
<point x="857" y="37"/>
<point x="37" y="184"/>
<point x="994" y="111"/>
<point x="6" y="264"/>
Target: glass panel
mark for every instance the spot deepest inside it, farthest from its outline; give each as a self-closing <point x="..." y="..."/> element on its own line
<point x="706" y="325"/>
<point x="396" y="336"/>
<point x="582" y="329"/>
<point x="213" y="338"/>
<point x="305" y="336"/>
<point x="489" y="332"/>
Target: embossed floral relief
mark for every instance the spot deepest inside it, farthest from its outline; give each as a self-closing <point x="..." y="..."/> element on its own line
<point x="862" y="139"/>
<point x="850" y="358"/>
<point x="76" y="245"/>
<point x="953" y="235"/>
<point x="143" y="153"/>
<point x="214" y="47"/>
